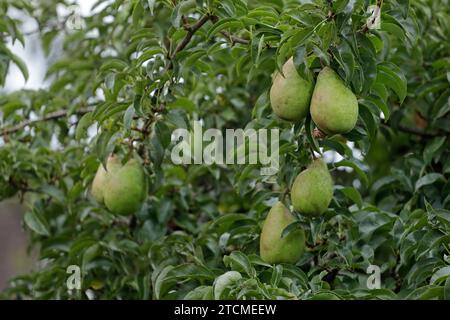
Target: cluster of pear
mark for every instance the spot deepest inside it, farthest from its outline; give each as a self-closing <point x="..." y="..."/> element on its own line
<point x="122" y="188"/>
<point x="311" y="193"/>
<point x="333" y="106"/>
<point x="334" y="109"/>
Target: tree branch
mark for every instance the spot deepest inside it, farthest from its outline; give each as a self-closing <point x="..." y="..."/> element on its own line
<point x="191" y="31"/>
<point x="141" y="130"/>
<point x="416" y="131"/>
<point x="234" y="39"/>
<point x="50" y="116"/>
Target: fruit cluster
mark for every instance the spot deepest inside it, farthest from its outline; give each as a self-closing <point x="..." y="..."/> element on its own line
<point x="122" y="188"/>
<point x="334" y="109"/>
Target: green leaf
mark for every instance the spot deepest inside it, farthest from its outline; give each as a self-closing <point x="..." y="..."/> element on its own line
<point x="447" y="289"/>
<point x="53" y="192"/>
<point x="113" y="64"/>
<point x="300" y="62"/>
<point x="21" y="65"/>
<point x="426" y="293"/>
<point x="128" y="117"/>
<point x="223" y="281"/>
<point x="300" y="36"/>
<point x="440" y="275"/>
<point x="183" y="103"/>
<point x="264" y="12"/>
<point x="83" y="124"/>
<point x="369" y="120"/>
<point x="227" y="23"/>
<point x="352" y="164"/>
<point x="156" y="148"/>
<point x="339" y="5"/>
<point x="393" y="77"/>
<point x="344" y="56"/>
<point x="260" y="48"/>
<point x="277" y="274"/>
<point x="90" y="254"/>
<point x="16" y="59"/>
<point x="341" y="148"/>
<point x="105" y="145"/>
<point x="11" y="107"/>
<point x="429" y="179"/>
<point x="137" y="13"/>
<point x="37" y="223"/>
<point x="148" y="54"/>
<point x="432" y="148"/>
<point x="223" y="223"/>
<point x="240" y="262"/>
<point x="290" y="228"/>
<point x="377" y="101"/>
<point x="353" y="195"/>
<point x="393" y="29"/>
<point x="380" y="91"/>
<point x="160" y="281"/>
<point x="110" y="110"/>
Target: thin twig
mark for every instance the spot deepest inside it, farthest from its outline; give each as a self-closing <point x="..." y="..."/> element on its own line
<point x="141" y="130"/>
<point x="234" y="39"/>
<point x="417" y="132"/>
<point x="50" y="116"/>
<point x="191" y="31"/>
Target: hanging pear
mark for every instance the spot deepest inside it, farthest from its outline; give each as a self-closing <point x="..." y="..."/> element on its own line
<point x="273" y="248"/>
<point x="334" y="108"/>
<point x="126" y="189"/>
<point x="290" y="94"/>
<point x="98" y="184"/>
<point x="312" y="190"/>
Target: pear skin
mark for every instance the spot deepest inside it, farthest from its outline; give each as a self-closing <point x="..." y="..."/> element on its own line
<point x="126" y="189"/>
<point x="312" y="190"/>
<point x="334" y="108"/>
<point x="273" y="248"/>
<point x="290" y="94"/>
<point x="99" y="182"/>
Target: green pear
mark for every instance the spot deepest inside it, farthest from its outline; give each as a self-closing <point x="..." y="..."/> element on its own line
<point x="98" y="184"/>
<point x="125" y="188"/>
<point x="312" y="190"/>
<point x="334" y="108"/>
<point x="273" y="248"/>
<point x="290" y="94"/>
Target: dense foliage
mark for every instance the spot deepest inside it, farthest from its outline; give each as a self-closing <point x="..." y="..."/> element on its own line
<point x="137" y="70"/>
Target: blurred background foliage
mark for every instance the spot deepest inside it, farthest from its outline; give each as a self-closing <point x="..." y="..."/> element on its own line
<point x="136" y="70"/>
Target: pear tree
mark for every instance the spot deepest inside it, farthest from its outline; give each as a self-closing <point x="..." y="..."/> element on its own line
<point x="357" y="91"/>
